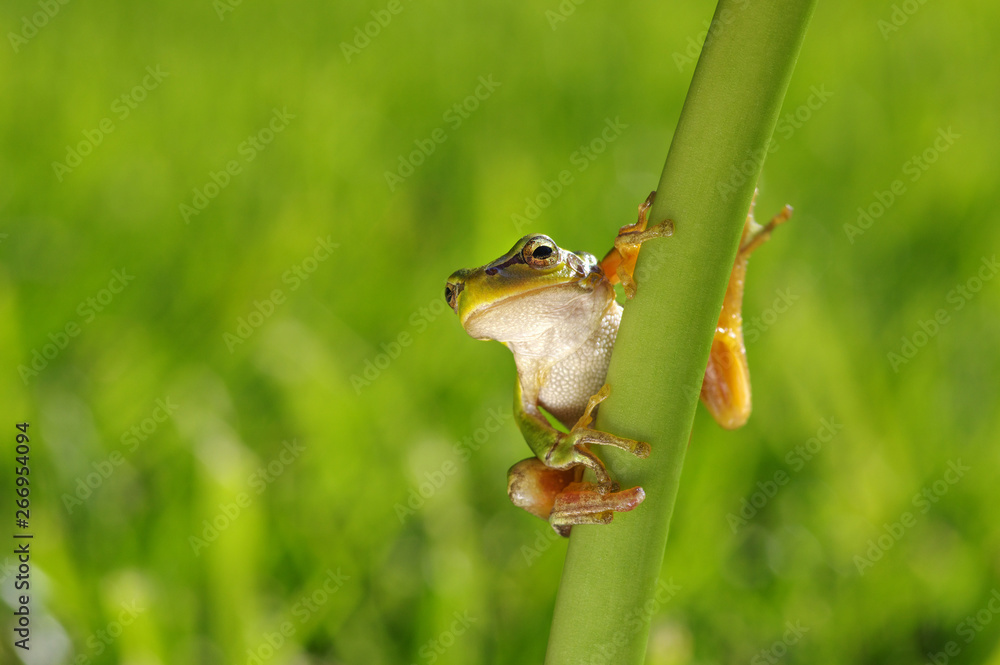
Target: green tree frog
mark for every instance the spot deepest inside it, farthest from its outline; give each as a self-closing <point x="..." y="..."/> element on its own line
<point x="557" y="313"/>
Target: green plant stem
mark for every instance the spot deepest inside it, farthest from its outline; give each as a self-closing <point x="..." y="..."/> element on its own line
<point x="609" y="584"/>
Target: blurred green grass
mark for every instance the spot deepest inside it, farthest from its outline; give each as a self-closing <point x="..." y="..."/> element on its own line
<point x="341" y="505"/>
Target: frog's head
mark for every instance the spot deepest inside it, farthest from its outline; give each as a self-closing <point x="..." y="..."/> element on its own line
<point x="530" y="289"/>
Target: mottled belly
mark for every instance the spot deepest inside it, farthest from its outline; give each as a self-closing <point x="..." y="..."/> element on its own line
<point x="574" y="379"/>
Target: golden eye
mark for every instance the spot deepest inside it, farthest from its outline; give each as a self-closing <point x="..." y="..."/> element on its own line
<point x="540" y="252"/>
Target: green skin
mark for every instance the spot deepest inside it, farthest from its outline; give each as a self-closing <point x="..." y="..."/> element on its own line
<point x="556" y="311"/>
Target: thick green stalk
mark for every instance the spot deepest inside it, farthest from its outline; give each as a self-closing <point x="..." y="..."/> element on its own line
<point x="609" y="585"/>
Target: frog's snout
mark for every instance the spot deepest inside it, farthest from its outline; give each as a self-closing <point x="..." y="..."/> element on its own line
<point x="453" y="287"/>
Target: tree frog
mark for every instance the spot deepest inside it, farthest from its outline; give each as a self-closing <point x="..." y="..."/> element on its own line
<point x="557" y="313"/>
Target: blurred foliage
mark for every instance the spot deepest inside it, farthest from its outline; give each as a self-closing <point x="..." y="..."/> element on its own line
<point x="330" y="554"/>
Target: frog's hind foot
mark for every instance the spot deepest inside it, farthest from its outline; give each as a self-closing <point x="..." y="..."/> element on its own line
<point x="755" y="235"/>
<point x="558" y="496"/>
<point x="584" y="503"/>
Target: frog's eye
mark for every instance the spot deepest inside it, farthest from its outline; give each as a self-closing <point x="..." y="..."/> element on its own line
<point x="454" y="286"/>
<point x="540" y="252"/>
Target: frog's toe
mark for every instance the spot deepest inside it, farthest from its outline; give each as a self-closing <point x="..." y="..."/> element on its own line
<point x="584" y="503"/>
<point x="608" y="487"/>
<point x="585" y="435"/>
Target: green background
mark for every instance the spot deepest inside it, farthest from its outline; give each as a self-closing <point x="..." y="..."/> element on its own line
<point x="359" y="364"/>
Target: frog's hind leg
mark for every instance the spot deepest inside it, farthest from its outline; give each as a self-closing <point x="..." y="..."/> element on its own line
<point x="533" y="486"/>
<point x="558" y="496"/>
<point x="726" y="388"/>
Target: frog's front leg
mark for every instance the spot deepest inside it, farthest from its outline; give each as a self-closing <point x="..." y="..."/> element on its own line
<point x="568" y="450"/>
<point x="726" y="387"/>
<point x="619" y="263"/>
<point x="549" y="485"/>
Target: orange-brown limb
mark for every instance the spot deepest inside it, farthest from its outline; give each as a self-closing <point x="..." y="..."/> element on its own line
<point x="618" y="265"/>
<point x="560" y="497"/>
<point x="726" y="386"/>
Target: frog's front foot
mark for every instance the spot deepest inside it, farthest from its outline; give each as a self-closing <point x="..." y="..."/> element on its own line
<point x="630" y="239"/>
<point x="573" y="449"/>
<point x="587" y="435"/>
